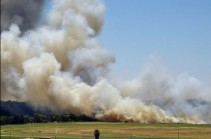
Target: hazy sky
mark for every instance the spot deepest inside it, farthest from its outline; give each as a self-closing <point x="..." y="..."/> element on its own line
<point x="178" y="33"/>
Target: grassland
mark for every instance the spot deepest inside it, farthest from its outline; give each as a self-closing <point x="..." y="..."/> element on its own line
<point x="107" y="130"/>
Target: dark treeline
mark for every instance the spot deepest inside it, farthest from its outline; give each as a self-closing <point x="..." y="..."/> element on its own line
<point x="39" y="118"/>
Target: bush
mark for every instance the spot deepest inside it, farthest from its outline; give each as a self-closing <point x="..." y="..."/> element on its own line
<point x="97" y="132"/>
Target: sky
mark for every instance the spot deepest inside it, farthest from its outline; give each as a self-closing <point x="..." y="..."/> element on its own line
<point x="176" y="33"/>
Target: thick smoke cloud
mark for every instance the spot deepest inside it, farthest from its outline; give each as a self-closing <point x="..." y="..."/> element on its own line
<point x="61" y="65"/>
<point x="24" y="13"/>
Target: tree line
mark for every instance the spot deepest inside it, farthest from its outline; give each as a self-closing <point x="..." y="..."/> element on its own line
<point x="39" y="118"/>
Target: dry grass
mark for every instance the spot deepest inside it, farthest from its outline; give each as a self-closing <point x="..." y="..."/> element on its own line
<point x="82" y="129"/>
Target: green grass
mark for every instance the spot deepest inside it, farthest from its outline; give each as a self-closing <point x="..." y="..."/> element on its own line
<point x="107" y="129"/>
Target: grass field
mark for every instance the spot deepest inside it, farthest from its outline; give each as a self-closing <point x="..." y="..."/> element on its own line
<point x="107" y="130"/>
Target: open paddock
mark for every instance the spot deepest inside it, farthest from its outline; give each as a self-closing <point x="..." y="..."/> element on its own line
<point x="107" y="130"/>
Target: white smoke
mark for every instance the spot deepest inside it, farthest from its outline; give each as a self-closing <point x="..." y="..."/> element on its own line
<point x="61" y="65"/>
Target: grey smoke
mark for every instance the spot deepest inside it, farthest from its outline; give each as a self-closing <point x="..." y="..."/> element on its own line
<point x="24" y="13"/>
<point x="60" y="64"/>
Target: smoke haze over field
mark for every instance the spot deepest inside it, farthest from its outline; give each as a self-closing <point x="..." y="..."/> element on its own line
<point x="61" y="65"/>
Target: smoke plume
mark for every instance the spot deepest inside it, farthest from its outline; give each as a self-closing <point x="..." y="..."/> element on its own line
<point x="61" y="65"/>
<point x="24" y="13"/>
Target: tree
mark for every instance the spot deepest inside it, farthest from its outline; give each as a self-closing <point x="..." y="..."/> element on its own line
<point x="39" y="118"/>
<point x="57" y="117"/>
<point x="73" y="117"/>
<point x="26" y="119"/>
<point x="64" y="118"/>
<point x="51" y="118"/>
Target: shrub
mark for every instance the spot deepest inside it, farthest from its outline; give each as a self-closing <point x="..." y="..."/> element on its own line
<point x="97" y="132"/>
